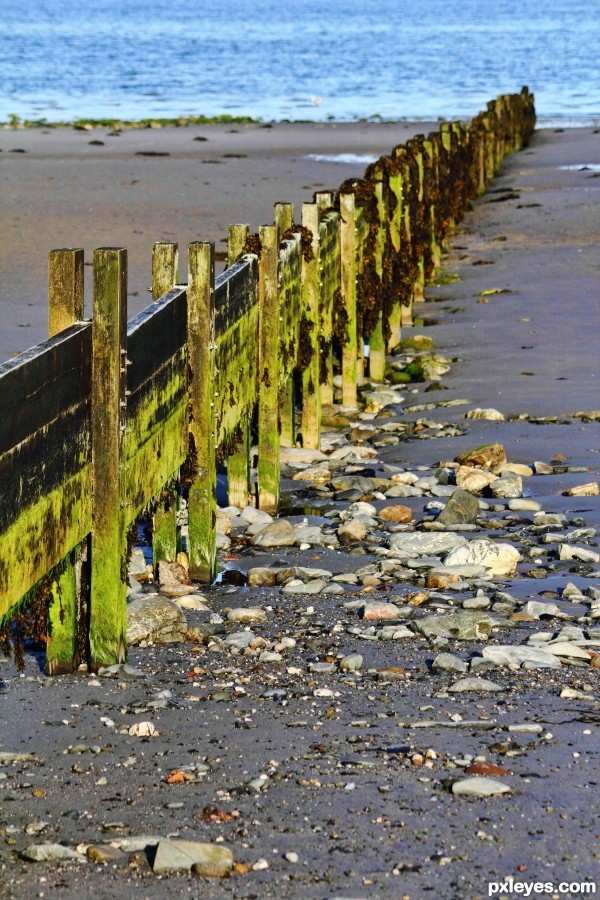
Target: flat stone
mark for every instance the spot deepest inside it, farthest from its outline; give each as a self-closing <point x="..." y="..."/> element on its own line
<point x="508" y="486"/>
<point x="499" y="558"/>
<point x="492" y="415"/>
<point x="254" y="516"/>
<point x="513" y="468"/>
<point x="465" y="625"/>
<point x="104" y="853"/>
<point x="375" y="611"/>
<point x="156" y="619"/>
<point x="317" y="474"/>
<point x="262" y="576"/>
<point x="480" y="786"/>
<point x="296" y="586"/>
<point x="507" y="655"/>
<point x="437" y="580"/>
<point x="210" y="860"/>
<point x="567" y="649"/>
<point x="461" y="508"/>
<point x="537" y="609"/>
<point x="279" y="533"/>
<point x="426" y="543"/>
<point x="522" y="504"/>
<point x="591" y="489"/>
<point x="247" y="615"/>
<point x="472" y="479"/>
<point x="474" y="685"/>
<point x="51" y="853"/>
<point x="351" y="663"/>
<point x="583" y="554"/>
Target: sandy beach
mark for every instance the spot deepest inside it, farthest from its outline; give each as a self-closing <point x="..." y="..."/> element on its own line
<point x="67" y="188"/>
<point x="328" y="783"/>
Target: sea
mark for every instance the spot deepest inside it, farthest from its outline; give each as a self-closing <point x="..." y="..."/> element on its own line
<point x="309" y="60"/>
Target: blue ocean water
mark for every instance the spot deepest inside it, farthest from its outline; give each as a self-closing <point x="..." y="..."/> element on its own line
<point x="310" y="59"/>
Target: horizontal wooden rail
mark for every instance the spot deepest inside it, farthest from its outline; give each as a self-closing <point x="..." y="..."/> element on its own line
<point x="109" y="421"/>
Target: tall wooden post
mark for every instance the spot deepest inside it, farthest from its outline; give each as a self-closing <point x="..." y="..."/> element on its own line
<point x="202" y="497"/>
<point x="311" y="376"/>
<point x="165" y="270"/>
<point x="268" y="371"/>
<point x="348" y="281"/>
<point x="65" y="306"/>
<point x="376" y="339"/>
<point x="108" y="590"/>
<point x="284" y="220"/>
<point x="238" y="464"/>
<point x="325" y="201"/>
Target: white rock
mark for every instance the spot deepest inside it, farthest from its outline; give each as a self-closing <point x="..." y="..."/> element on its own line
<point x="143" y="729"/>
<point x="426" y="543"/>
<point x="493" y="415"/>
<point x="480" y="786"/>
<point x="507" y="655"/>
<point x="500" y="559"/>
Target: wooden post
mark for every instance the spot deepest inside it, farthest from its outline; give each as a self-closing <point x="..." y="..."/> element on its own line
<point x="325" y="201"/>
<point x="348" y="282"/>
<point x="165" y="268"/>
<point x="395" y="247"/>
<point x="311" y="376"/>
<point x="431" y="152"/>
<point x="65" y="304"/>
<point x="268" y="397"/>
<point x="376" y="339"/>
<point x="284" y="220"/>
<point x="165" y="271"/>
<point x="108" y="590"/>
<point x="238" y="464"/>
<point x="202" y="497"/>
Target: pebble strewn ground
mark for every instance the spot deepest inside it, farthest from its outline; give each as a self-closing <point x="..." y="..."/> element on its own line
<point x="393" y="690"/>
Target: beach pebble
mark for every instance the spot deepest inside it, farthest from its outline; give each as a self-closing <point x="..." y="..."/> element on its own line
<point x="480" y="786"/>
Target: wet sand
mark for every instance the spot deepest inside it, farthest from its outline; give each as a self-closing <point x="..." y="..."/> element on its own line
<point x="341" y="790"/>
<point x="67" y="190"/>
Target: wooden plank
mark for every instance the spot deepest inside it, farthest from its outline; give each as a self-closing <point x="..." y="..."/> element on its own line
<point x="348" y="284"/>
<point x="65" y="289"/>
<point x="330" y="291"/>
<point x="201" y="337"/>
<point x="165" y="267"/>
<point x="108" y="589"/>
<point x="268" y="402"/>
<point x="310" y="333"/>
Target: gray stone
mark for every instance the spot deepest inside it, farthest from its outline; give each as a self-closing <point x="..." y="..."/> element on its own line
<point x="51" y="853"/>
<point x="507" y="655"/>
<point x="509" y="485"/>
<point x="466" y="625"/>
<point x="278" y="534"/>
<point x="296" y="586"/>
<point x="247" y="615"/>
<point x="448" y="662"/>
<point x="426" y="544"/>
<point x="156" y="619"/>
<point x="462" y="507"/>
<point x="537" y="609"/>
<point x="474" y="685"/>
<point x="210" y="860"/>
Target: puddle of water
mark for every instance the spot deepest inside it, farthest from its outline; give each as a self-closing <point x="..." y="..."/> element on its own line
<point x="582" y="167"/>
<point x="362" y="159"/>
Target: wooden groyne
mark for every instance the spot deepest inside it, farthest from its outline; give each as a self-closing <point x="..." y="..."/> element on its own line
<point x="113" y="420"/>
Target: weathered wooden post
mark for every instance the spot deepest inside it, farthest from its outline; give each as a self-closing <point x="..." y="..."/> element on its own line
<point x="377" y="345"/>
<point x="65" y="306"/>
<point x="348" y="285"/>
<point x="238" y="463"/>
<point x="268" y="396"/>
<point x="202" y="496"/>
<point x="284" y="221"/>
<point x="311" y="376"/>
<point x="165" y="269"/>
<point x="108" y="588"/>
<point x="325" y="201"/>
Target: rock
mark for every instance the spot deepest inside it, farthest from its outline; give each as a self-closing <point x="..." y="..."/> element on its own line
<point x="485" y="768"/>
<point x="364" y="486"/>
<point x="172" y="573"/>
<point x="351" y="531"/>
<point x="192" y="601"/>
<point x="296" y="586"/>
<point x="566" y="551"/>
<point x="155" y="619"/>
<point x="254" y="516"/>
<point x="373" y="612"/>
<point x="403" y="491"/>
<point x="51" y="853"/>
<point x="567" y="649"/>
<point x="355" y="510"/>
<point x="536" y="609"/>
<point x="474" y="685"/>
<point x="317" y="474"/>
<point x="210" y="860"/>
<point x="487" y="457"/>
<point x="492" y="415"/>
<point x="466" y="625"/>
<point x="591" y="489"/>
<point x="479" y="786"/>
<point x="500" y="559"/>
<point x="508" y="486"/>
<point x="511" y="468"/>
<point x="223" y="522"/>
<point x="461" y="508"/>
<point x="300" y="456"/>
<point x="278" y="534"/>
<point x="542" y="468"/>
<point x="474" y="480"/>
<point x="524" y="505"/>
<point x="351" y="663"/>
<point x="426" y="544"/>
<point x="247" y="615"/>
<point x="103" y="853"/>
<point x="396" y="513"/>
<point x="438" y="580"/>
<point x="137" y="567"/>
<point x="262" y="577"/>
<point x="143" y="729"/>
<point x="448" y="662"/>
<point x="391" y="673"/>
<point x="507" y="655"/>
